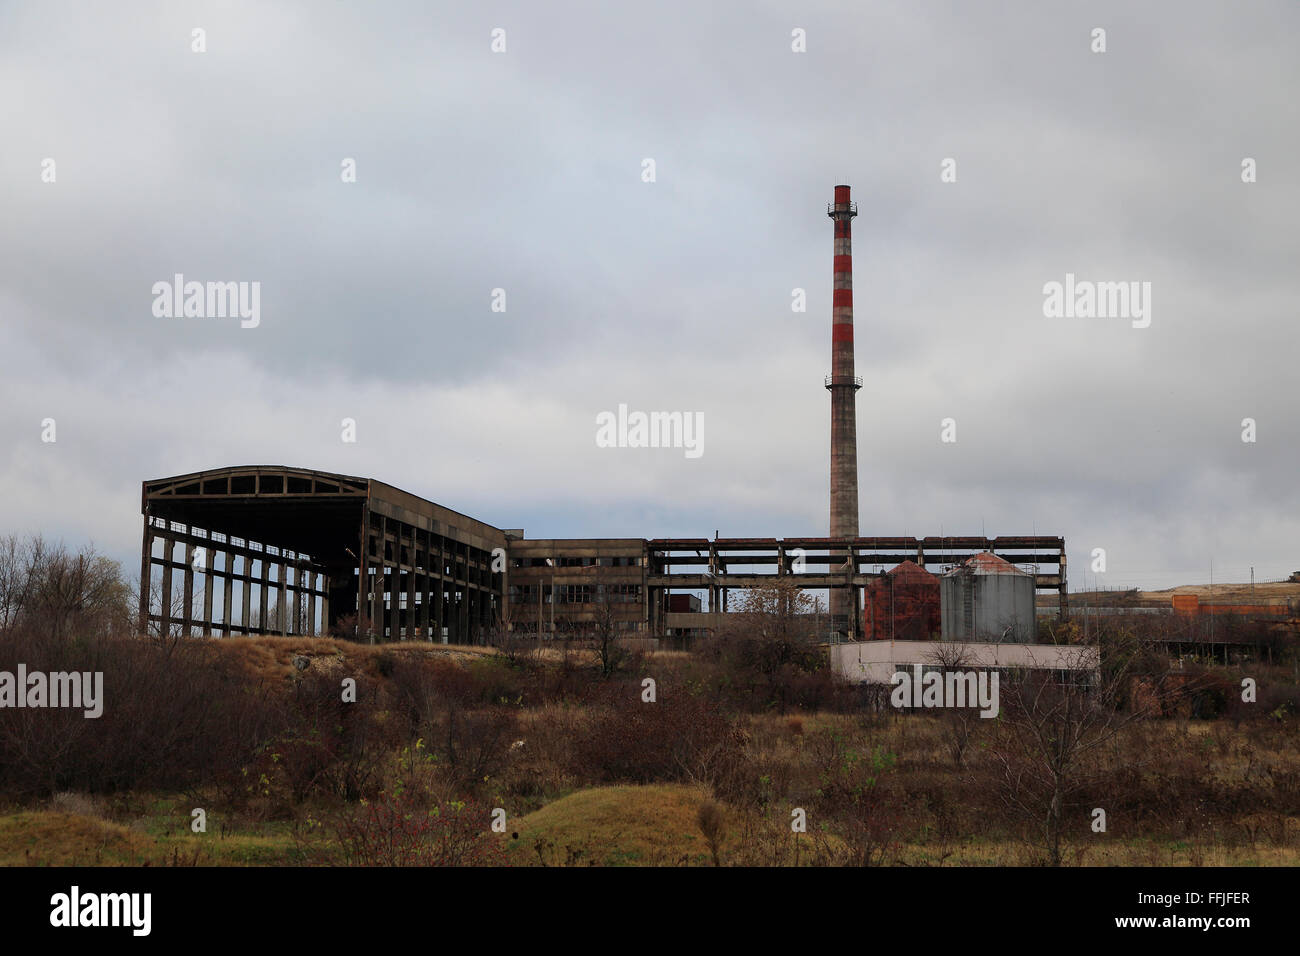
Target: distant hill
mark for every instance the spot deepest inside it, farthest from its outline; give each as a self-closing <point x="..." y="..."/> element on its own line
<point x="1279" y="593"/>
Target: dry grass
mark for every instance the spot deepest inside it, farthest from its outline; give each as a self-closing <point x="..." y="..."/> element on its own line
<point x="614" y="826"/>
<point x="581" y="655"/>
<point x="1260" y="592"/>
<point x="160" y="837"/>
<point x="268" y="657"/>
<point x="54" y="838"/>
<point x="272" y="657"/>
<point x="607" y="826"/>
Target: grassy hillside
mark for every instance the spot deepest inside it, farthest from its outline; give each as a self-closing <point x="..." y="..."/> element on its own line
<point x="614" y="826"/>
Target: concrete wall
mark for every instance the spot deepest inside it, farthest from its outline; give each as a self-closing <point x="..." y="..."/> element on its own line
<point x="876" y="661"/>
<point x="582" y="563"/>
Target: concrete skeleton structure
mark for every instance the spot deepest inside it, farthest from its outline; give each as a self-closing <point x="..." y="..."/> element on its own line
<point x="297" y="551"/>
<point x="269" y="549"/>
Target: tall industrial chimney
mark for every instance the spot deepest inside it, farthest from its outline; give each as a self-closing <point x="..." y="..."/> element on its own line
<point x="843" y="386"/>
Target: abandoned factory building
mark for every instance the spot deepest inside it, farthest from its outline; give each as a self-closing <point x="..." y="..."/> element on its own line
<point x="268" y="549"/>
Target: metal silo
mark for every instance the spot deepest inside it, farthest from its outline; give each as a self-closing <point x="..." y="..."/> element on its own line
<point x="987" y="599"/>
<point x="903" y="605"/>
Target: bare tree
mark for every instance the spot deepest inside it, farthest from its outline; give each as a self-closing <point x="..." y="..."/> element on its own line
<point x="605" y="625"/>
<point x="959" y="722"/>
<point x="777" y="611"/>
<point x="351" y="627"/>
<point x="16" y="576"/>
<point x="516" y="642"/>
<point x="47" y="588"/>
<point x="1051" y="722"/>
<point x="277" y="614"/>
<point x="713" y="825"/>
<point x="594" y="608"/>
<point x="172" y="630"/>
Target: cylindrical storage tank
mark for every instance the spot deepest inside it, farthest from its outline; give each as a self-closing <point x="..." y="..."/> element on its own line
<point x="902" y="605"/>
<point x="987" y="599"/>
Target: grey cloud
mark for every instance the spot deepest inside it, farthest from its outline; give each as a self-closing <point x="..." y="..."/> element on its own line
<point x="521" y="171"/>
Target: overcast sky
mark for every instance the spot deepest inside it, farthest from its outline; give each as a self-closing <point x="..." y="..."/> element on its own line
<point x="523" y="170"/>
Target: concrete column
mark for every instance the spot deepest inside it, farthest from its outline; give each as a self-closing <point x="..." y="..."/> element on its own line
<point x="165" y="610"/>
<point x="209" y="566"/>
<point x="435" y="609"/>
<point x="475" y="615"/>
<point x="426" y="593"/>
<point x="363" y="557"/>
<point x="187" y="615"/>
<point x="1063" y="590"/>
<point x="394" y="565"/>
<point x="468" y="595"/>
<point x="504" y="612"/>
<point x="307" y="601"/>
<point x="462" y="614"/>
<point x="411" y="614"/>
<point x="439" y="609"/>
<point x="856" y="592"/>
<point x="377" y="582"/>
<point x="282" y="573"/>
<point x="146" y="575"/>
<point x="246" y="608"/>
<point x="264" y="586"/>
<point x="443" y="609"/>
<point x="308" y="581"/>
<point x="324" y="604"/>
<point x="168" y="554"/>
<point x="227" y="590"/>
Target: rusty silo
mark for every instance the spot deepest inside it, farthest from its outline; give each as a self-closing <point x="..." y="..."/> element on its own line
<point x="903" y="605"/>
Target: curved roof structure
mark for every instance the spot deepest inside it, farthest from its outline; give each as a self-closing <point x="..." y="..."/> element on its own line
<point x="307" y="510"/>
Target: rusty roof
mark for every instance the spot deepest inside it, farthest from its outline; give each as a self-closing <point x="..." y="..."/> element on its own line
<point x="910" y="569"/>
<point x="986" y="562"/>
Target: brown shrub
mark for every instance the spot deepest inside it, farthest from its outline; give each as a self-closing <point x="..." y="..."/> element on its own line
<point x="173" y="715"/>
<point x="677" y="738"/>
<point x="713" y="825"/>
<point x="399" y="831"/>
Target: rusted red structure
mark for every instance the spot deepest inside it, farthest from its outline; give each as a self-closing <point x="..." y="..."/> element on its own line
<point x="683" y="604"/>
<point x="1192" y="605"/>
<point x="902" y="605"/>
<point x="843" y="385"/>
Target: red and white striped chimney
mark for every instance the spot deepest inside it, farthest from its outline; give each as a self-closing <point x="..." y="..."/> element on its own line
<point x="843" y="386"/>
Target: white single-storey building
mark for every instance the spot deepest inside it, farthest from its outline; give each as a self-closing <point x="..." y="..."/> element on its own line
<point x="877" y="661"/>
